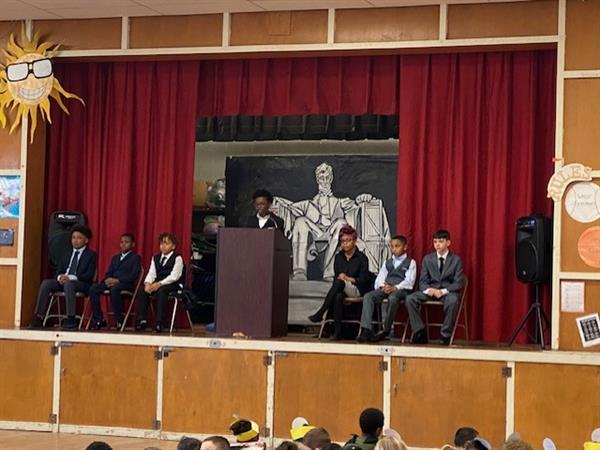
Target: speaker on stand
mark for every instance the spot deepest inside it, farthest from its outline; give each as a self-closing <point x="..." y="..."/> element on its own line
<point x="533" y="262"/>
<point x="59" y="234"/>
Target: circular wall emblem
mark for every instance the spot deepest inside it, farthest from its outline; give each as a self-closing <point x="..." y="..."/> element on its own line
<point x="588" y="247"/>
<point x="582" y="202"/>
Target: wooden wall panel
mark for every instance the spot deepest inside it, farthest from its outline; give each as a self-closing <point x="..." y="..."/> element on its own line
<point x="81" y="34"/>
<point x="387" y="24"/>
<point x="176" y="31"/>
<point x="431" y="398"/>
<point x="581" y="117"/>
<point x="279" y="27"/>
<point x="10" y="146"/>
<point x="569" y="335"/>
<point x="582" y="48"/>
<point x="108" y="385"/>
<point x="537" y="18"/>
<point x="10" y="251"/>
<point x="34" y="223"/>
<point x="570" y="232"/>
<point x="557" y="401"/>
<point x="26" y="371"/>
<point x="224" y="382"/>
<point x="329" y="390"/>
<point x="7" y="27"/>
<point x="8" y="285"/>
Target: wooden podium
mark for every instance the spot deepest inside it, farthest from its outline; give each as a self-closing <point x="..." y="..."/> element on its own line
<point x="252" y="282"/>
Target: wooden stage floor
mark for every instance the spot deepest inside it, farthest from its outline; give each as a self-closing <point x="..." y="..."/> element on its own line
<point x="29" y="440"/>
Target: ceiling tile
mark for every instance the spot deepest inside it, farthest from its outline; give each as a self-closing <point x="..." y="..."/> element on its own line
<point x="195" y="7"/>
<point x="285" y="5"/>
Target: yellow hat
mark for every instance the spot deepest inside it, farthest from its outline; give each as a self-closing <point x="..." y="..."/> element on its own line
<point x="591" y="446"/>
<point x="244" y="430"/>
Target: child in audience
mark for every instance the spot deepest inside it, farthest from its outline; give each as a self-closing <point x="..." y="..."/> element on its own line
<point x="75" y="273"/>
<point x="164" y="277"/>
<point x="441" y="279"/>
<point x="371" y="425"/>
<point x="395" y="280"/>
<point x="121" y="275"/>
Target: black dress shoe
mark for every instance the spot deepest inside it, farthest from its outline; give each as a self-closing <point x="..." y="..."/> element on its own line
<point x="98" y="324"/>
<point x="382" y="335"/>
<point x="445" y="340"/>
<point x="420" y="337"/>
<point x="316" y="318"/>
<point x="141" y="325"/>
<point x="70" y="323"/>
<point x="118" y="326"/>
<point x="37" y="322"/>
<point x="158" y="327"/>
<point x="365" y="335"/>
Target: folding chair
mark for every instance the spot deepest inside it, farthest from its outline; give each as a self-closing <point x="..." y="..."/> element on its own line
<point x="125" y="293"/>
<point x="55" y="300"/>
<point x="177" y="297"/>
<point x="347" y="302"/>
<point x="462" y="308"/>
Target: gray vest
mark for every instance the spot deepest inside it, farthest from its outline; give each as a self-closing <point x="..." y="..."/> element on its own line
<point x="397" y="275"/>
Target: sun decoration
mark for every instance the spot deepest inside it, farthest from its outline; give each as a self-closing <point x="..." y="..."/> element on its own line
<point x="27" y="80"/>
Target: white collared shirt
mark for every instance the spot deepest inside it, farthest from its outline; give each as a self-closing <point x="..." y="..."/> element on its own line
<point x="123" y="255"/>
<point x="73" y="277"/>
<point x="173" y="277"/>
<point x="409" y="278"/>
<point x="262" y="220"/>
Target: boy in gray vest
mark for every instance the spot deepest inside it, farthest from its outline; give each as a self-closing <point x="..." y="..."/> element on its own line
<point x="395" y="281"/>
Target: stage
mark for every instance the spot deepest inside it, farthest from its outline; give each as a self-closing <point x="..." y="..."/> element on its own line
<point x="162" y="387"/>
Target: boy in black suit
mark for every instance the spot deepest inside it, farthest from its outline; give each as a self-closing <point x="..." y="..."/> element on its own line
<point x="121" y="275"/>
<point x="74" y="273"/>
<point x="263" y="218"/>
<point x="164" y="276"/>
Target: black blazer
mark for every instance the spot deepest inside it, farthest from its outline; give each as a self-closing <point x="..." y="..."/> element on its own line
<point x="86" y="267"/>
<point x="272" y="222"/>
<point x="128" y="270"/>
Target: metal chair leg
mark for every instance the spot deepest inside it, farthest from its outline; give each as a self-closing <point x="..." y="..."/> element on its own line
<point x="48" y="308"/>
<point x="173" y="315"/>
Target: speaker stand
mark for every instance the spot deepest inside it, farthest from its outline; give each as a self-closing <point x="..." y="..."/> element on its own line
<point x="541" y="319"/>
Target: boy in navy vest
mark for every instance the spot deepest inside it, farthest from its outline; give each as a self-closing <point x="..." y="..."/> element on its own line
<point x="121" y="275"/>
<point x="395" y="281"/>
<point x="163" y="278"/>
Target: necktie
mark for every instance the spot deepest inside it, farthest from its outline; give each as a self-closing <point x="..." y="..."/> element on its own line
<point x="74" y="261"/>
<point x="441" y="264"/>
<point x="163" y="260"/>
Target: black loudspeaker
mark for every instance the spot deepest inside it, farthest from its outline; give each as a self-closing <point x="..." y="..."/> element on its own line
<point x="533" y="249"/>
<point x="59" y="234"/>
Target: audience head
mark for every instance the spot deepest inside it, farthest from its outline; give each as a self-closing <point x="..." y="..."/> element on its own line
<point x="245" y="430"/>
<point x="516" y="444"/>
<point x="464" y="435"/>
<point x="399" y="244"/>
<point x="441" y="240"/>
<point x="371" y="421"/>
<point x="127" y="242"/>
<point x="262" y="200"/>
<point x="347" y="238"/>
<point x="98" y="445"/>
<point x="215" y="443"/>
<point x="189" y="443"/>
<point x="332" y="446"/>
<point x="317" y="438"/>
<point x="299" y="429"/>
<point x="80" y="235"/>
<point x="390" y="443"/>
<point x="167" y="243"/>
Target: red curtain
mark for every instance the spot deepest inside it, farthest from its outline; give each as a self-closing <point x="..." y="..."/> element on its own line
<point x="126" y="158"/>
<point x="476" y="147"/>
<point x="293" y="86"/>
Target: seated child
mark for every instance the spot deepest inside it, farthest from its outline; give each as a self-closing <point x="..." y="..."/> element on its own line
<point x="163" y="278"/>
<point x="121" y="275"/>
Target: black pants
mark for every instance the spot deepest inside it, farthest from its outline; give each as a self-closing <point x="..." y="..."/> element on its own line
<point x="333" y="305"/>
<point x="70" y="289"/>
<point x="116" y="300"/>
<point x="161" y="297"/>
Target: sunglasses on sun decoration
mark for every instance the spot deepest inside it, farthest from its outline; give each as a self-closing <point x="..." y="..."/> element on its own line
<point x="41" y="68"/>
